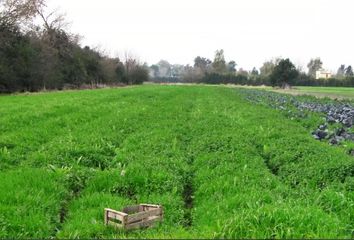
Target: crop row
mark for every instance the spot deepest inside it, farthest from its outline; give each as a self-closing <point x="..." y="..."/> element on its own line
<point x="307" y="195"/>
<point x="220" y="166"/>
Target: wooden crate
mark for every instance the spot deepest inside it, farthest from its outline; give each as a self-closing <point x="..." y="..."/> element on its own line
<point x="134" y="217"/>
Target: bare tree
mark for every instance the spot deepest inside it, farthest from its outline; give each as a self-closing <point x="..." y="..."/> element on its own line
<point x="19" y="11"/>
<point x="54" y="20"/>
<point x="219" y="63"/>
<point x="314" y="65"/>
<point x="54" y="30"/>
<point x="134" y="71"/>
<point x="130" y="64"/>
<point x="268" y="67"/>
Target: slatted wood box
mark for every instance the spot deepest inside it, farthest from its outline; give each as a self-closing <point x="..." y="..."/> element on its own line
<point x="134" y="217"/>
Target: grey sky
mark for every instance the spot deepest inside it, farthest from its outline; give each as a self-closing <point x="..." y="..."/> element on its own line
<point x="250" y="31"/>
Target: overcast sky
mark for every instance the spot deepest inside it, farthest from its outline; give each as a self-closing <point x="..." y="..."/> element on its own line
<point x="250" y="31"/>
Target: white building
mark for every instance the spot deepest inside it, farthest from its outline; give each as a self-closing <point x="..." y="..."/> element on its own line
<point x="323" y="74"/>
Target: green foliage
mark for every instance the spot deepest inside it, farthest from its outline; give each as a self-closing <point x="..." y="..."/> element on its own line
<point x="220" y="166"/>
<point x="215" y="78"/>
<point x="52" y="59"/>
<point x="17" y="59"/>
<point x="138" y="75"/>
<point x="349" y="72"/>
<point x="231" y="67"/>
<point x="30" y="203"/>
<point x="284" y="73"/>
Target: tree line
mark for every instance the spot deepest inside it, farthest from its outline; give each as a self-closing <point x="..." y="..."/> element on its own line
<point x="276" y="72"/>
<point x="37" y="52"/>
<point x="41" y="56"/>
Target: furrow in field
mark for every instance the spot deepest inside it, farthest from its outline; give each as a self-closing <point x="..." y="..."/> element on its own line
<point x="29" y="202"/>
<point x="153" y="168"/>
<point x="236" y="192"/>
<point x="220" y="166"/>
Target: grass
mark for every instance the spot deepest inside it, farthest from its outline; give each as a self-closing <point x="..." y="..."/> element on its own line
<point x="30" y="203"/>
<point x="220" y="166"/>
<point x="322" y="92"/>
<point x="341" y="93"/>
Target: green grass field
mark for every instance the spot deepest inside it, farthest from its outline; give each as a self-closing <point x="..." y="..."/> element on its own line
<point x="220" y="166"/>
<point x="330" y="92"/>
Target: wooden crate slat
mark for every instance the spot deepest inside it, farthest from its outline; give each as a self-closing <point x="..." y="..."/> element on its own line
<point x="141" y="208"/>
<point x="150" y="205"/>
<point x="116" y="216"/>
<point x="133" y="217"/>
<point x="116" y="212"/>
<point x="146" y="223"/>
<point x="141" y="215"/>
<point x="116" y="225"/>
<point x="131" y="209"/>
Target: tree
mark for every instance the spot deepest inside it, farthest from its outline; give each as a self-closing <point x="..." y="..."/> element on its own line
<point x="203" y="64"/>
<point x="284" y="74"/>
<point x="53" y="21"/>
<point x="253" y="77"/>
<point x="120" y="72"/>
<point x="349" y="71"/>
<point x="34" y="57"/>
<point x="191" y="75"/>
<point x="16" y="59"/>
<point x="341" y="71"/>
<point x="242" y="72"/>
<point x="164" y="68"/>
<point x="132" y="71"/>
<point x="19" y="12"/>
<point x="268" y="67"/>
<point x="109" y="70"/>
<point x="139" y="74"/>
<point x="177" y="70"/>
<point x="91" y="61"/>
<point x="154" y="70"/>
<point x="314" y="65"/>
<point x="231" y="67"/>
<point x="219" y="64"/>
<point x="254" y="72"/>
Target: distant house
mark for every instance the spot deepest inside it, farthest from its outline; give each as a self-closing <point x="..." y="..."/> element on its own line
<point x="323" y="74"/>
